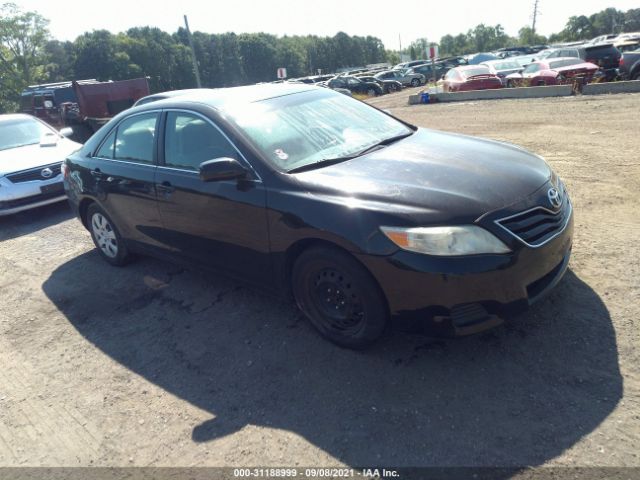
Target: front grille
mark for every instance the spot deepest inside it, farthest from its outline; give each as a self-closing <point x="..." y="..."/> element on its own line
<point x="29" y="200"/>
<point x="35" y="174"/>
<point x="537" y="226"/>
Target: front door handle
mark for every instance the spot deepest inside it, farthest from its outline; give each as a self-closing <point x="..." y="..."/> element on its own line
<point x="166" y="188"/>
<point x="96" y="173"/>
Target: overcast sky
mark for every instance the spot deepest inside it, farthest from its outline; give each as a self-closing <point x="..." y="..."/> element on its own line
<point x="383" y="19"/>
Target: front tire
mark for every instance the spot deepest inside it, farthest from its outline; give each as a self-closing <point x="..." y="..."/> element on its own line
<point x="340" y="297"/>
<point x="106" y="237"/>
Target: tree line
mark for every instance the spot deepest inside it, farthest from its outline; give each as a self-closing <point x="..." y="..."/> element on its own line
<point x="28" y="54"/>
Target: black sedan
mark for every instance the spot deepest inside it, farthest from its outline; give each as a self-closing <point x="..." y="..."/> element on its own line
<point x="355" y="85"/>
<point x="365" y="219"/>
<point x="388" y="86"/>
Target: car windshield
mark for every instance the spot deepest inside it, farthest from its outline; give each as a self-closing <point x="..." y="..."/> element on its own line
<point x="567" y="62"/>
<point x="506" y="66"/>
<point x="297" y="130"/>
<point x="472" y="72"/>
<point x="19" y="132"/>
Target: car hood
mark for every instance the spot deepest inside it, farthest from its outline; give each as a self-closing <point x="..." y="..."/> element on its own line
<point x="433" y="175"/>
<point x="32" y="156"/>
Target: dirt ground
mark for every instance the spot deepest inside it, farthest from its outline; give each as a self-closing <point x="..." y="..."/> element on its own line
<point x="156" y="365"/>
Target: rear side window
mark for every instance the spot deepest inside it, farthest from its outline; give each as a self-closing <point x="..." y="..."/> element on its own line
<point x="135" y="138"/>
<point x="191" y="140"/>
<point x="106" y="149"/>
<point x="132" y="140"/>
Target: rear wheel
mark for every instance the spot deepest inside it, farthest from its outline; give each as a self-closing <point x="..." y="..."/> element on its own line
<point x="106" y="237"/>
<point x="415" y="82"/>
<point x="636" y="76"/>
<point x="339" y="296"/>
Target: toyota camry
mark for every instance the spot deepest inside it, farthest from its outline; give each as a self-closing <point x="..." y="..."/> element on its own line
<point x="366" y="220"/>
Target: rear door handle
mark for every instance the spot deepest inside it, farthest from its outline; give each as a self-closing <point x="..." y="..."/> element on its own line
<point x="165" y="187"/>
<point x="96" y="173"/>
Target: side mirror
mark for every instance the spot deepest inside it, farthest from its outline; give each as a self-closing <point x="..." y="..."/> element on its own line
<point x="223" y="168"/>
<point x="66" y="132"/>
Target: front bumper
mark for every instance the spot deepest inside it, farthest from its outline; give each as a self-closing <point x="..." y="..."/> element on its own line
<point x="453" y="296"/>
<point x="22" y="196"/>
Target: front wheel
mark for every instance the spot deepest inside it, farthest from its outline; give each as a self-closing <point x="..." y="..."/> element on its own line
<point x="106" y="237"/>
<point x="340" y="297"/>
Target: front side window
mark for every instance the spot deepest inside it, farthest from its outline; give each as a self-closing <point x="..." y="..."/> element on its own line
<point x="191" y="140"/>
<point x="298" y="130"/>
<point x="135" y="138"/>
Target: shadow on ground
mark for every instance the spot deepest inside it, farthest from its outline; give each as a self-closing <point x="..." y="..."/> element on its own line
<point x="31" y="221"/>
<point x="518" y="395"/>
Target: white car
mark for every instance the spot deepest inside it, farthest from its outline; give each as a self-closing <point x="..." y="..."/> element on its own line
<point x="31" y="156"/>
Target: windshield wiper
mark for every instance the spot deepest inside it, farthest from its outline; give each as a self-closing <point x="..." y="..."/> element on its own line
<point x="331" y="161"/>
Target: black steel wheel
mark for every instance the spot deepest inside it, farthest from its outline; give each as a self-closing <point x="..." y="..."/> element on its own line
<point x="339" y="296"/>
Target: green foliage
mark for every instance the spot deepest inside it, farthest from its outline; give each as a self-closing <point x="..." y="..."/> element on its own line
<point x="526" y="36"/>
<point x="28" y="55"/>
<point x="23" y="37"/>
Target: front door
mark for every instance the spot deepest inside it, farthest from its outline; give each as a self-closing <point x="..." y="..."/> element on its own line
<point x="218" y="223"/>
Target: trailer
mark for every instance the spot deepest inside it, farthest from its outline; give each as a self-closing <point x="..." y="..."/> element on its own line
<point x="83" y="105"/>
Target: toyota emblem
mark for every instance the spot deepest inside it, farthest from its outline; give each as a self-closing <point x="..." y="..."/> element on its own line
<point x="46" y="172"/>
<point x="554" y="198"/>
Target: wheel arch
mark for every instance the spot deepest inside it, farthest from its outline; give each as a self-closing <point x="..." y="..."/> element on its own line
<point x="297" y="248"/>
<point x="82" y="210"/>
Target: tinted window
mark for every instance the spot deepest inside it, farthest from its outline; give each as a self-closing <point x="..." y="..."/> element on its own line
<point x="191" y="140"/>
<point x="135" y="138"/>
<point x="106" y="150"/>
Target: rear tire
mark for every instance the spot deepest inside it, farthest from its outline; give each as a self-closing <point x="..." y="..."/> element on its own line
<point x="415" y="82"/>
<point x="339" y="297"/>
<point x="106" y="237"/>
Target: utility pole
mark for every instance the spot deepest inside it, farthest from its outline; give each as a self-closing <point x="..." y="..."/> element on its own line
<point x="400" y="41"/>
<point x="535" y="16"/>
<point x="193" y="53"/>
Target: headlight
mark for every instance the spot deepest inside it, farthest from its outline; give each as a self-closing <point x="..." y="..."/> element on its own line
<point x="446" y="241"/>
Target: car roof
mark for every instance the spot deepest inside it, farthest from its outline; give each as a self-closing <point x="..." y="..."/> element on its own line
<point x="218" y="97"/>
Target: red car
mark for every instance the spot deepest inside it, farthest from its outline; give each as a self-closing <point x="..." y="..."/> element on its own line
<point x="552" y="71"/>
<point x="470" y="77"/>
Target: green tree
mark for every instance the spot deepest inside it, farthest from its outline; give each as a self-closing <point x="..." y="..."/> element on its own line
<point x="102" y="55"/>
<point x="632" y="20"/>
<point x="578" y="28"/>
<point x="607" y="21"/>
<point x="23" y="37"/>
<point x="526" y="36"/>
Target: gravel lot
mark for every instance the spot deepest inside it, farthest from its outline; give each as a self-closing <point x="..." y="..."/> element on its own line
<point x="153" y="364"/>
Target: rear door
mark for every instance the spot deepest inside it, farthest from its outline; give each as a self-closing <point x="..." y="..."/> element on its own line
<point x="123" y="170"/>
<point x="221" y="224"/>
